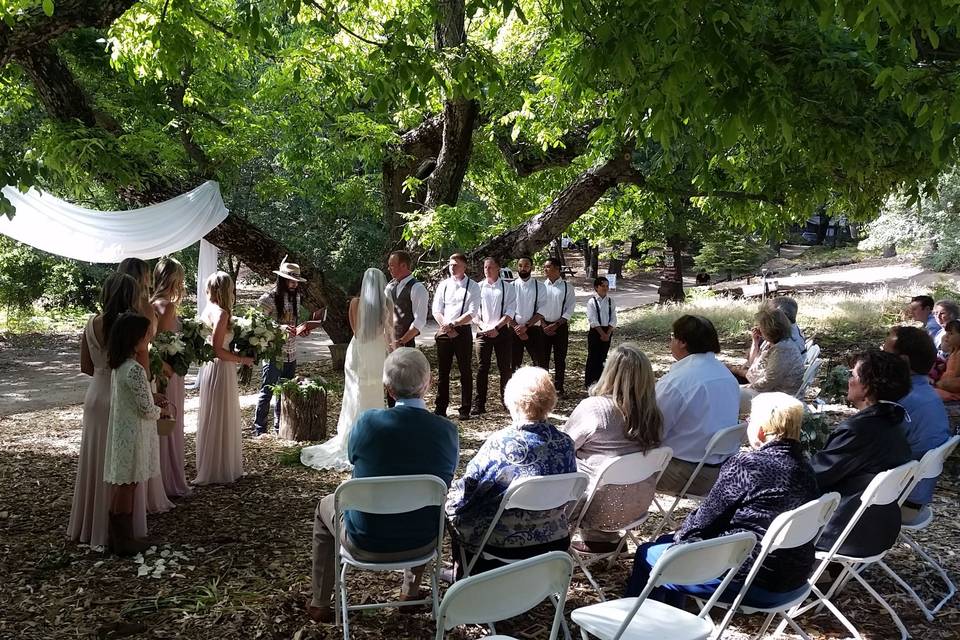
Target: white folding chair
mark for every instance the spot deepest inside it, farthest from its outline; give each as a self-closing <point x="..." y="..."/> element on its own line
<point x="535" y="493"/>
<point x="931" y="466"/>
<point x="386" y="495"/>
<point x="813" y="352"/>
<point x="886" y="487"/>
<point x="508" y="591"/>
<point x="686" y="564"/>
<point x="727" y="439"/>
<point x="630" y="469"/>
<point x="808" y="377"/>
<point x="789" y="530"/>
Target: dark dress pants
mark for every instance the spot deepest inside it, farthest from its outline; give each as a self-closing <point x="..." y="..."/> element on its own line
<point x="557" y="343"/>
<point x="501" y="346"/>
<point x="460" y="347"/>
<point x="532" y="345"/>
<point x="596" y="357"/>
<point x="270" y="376"/>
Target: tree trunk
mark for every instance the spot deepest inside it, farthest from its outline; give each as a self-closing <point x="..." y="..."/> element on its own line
<point x="671" y="277"/>
<point x="592" y="261"/>
<point x="55" y="85"/>
<point x="572" y="202"/>
<point x="262" y="254"/>
<point x="415" y="156"/>
<point x="303" y="416"/>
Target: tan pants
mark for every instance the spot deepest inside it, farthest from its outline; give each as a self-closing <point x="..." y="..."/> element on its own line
<point x="677" y="473"/>
<point x="323" y="556"/>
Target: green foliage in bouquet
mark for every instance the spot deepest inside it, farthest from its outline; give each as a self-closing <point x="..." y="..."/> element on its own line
<point x="258" y="336"/>
<point x="194" y="335"/>
<point x="814" y="432"/>
<point x="834" y="386"/>
<point x="300" y="388"/>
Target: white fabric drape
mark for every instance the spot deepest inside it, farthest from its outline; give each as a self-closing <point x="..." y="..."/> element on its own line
<point x="206" y="267"/>
<point x="64" y="229"/>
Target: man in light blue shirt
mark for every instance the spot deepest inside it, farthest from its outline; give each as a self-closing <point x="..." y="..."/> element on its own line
<point x="698" y="398"/>
<point x="921" y="310"/>
<point x="926" y="425"/>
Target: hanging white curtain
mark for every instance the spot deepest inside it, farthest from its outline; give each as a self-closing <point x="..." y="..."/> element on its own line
<point x="64" y="229"/>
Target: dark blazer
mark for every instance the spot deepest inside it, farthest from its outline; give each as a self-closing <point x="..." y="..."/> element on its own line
<point x="858" y="449"/>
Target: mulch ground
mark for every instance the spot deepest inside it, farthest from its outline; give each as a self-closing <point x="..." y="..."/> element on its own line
<point x="234" y="560"/>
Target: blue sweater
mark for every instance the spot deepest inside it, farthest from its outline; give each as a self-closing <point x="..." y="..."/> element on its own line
<point x="403" y="440"/>
<point x="928" y="428"/>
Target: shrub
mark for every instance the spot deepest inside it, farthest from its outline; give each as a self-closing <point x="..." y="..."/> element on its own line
<point x="833" y="388"/>
<point x="814" y="432"/>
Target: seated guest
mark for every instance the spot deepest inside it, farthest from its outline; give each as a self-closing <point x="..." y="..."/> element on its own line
<point x="921" y="310"/>
<point x="404" y="440"/>
<point x="861" y="447"/>
<point x="789" y="308"/>
<point x="927" y="426"/>
<point x="753" y="488"/>
<point x="530" y="446"/>
<point x="948" y="386"/>
<point x="619" y="417"/>
<point x="779" y="366"/>
<point x="698" y="397"/>
<point x="944" y="311"/>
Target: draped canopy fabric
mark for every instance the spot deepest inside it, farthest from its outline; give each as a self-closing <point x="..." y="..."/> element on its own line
<point x="64" y="229"/>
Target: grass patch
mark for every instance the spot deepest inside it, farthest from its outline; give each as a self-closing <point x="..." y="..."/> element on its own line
<point x="821" y="257"/>
<point x="36" y="319"/>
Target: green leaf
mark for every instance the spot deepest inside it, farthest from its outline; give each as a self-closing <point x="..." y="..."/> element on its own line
<point x="48" y="7"/>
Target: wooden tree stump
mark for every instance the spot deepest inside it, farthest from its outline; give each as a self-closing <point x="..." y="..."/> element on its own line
<point x="338" y="355"/>
<point x="303" y="416"/>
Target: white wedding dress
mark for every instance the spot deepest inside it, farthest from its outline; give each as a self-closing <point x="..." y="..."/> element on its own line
<point x="362" y="390"/>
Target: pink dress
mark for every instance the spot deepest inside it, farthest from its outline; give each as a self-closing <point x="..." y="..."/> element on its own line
<point x="90" y="513"/>
<point x="219" y="432"/>
<point x="171" y="446"/>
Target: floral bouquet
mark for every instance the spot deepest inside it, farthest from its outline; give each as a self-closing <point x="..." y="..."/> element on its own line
<point x="258" y="336"/>
<point x="168" y="348"/>
<point x="194" y="335"/>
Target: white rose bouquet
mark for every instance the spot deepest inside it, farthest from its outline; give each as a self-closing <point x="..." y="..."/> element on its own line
<point x="167" y="348"/>
<point x="258" y="336"/>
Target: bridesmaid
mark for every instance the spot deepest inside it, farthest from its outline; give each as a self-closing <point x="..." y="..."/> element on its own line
<point x="219" y="449"/>
<point x="151" y="495"/>
<point x="168" y="276"/>
<point x="89" y="515"/>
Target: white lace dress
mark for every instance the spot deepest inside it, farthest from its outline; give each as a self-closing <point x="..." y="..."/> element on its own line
<point x="362" y="390"/>
<point x="133" y="447"/>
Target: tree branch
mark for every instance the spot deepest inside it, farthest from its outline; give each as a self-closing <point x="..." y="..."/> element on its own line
<point x="526" y="158"/>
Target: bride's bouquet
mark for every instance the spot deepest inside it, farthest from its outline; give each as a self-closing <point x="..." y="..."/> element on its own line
<point x="258" y="336"/>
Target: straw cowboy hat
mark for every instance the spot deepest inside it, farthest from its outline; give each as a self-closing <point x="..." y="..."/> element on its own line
<point x="289" y="270"/>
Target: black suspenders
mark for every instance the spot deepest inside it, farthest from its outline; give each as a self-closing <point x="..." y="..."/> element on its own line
<point x="609" y="311"/>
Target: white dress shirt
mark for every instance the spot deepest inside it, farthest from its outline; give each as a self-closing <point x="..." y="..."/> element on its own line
<point x="601" y="312"/>
<point x="529" y="296"/>
<point x="698" y="397"/>
<point x="559" y="301"/>
<point x="454" y="298"/>
<point x="419" y="299"/>
<point x="496" y="300"/>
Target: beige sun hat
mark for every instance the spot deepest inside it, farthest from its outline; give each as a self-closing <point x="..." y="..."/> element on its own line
<point x="290" y="271"/>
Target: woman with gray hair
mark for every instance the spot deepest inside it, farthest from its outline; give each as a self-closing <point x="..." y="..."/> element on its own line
<point x="371" y="318"/>
<point x="943" y="312"/>
<point x="779" y="366"/>
<point x="531" y="446"/>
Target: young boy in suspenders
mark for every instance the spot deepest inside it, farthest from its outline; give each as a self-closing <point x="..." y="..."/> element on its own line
<point x="602" y="318"/>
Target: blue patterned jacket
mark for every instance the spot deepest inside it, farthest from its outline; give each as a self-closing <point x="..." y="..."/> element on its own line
<point x="537" y="449"/>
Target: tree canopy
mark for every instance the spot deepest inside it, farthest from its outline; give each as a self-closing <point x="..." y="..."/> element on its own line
<point x="342" y="130"/>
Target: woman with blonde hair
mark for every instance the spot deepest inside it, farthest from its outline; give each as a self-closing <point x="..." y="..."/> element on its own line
<point x="371" y="318"/>
<point x="619" y="417"/>
<point x="168" y="277"/>
<point x="530" y="446"/>
<point x="779" y="366"/>
<point x="753" y="488"/>
<point x="219" y="446"/>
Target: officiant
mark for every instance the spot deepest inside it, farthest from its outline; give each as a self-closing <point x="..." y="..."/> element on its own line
<point x="283" y="303"/>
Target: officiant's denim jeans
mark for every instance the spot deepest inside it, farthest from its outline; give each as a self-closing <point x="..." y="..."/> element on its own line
<point x="270" y="376"/>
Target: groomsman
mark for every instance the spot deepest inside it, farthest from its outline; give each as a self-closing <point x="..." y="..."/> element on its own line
<point x="455" y="305"/>
<point x="409" y="301"/>
<point x="498" y="302"/>
<point x="602" y="319"/>
<point x="556" y="309"/>
<point x="527" y="333"/>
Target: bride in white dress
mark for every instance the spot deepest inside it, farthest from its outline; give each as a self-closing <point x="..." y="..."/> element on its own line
<point x="371" y="318"/>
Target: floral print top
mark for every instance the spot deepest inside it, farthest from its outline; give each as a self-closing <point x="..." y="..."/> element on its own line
<point x="519" y="451"/>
